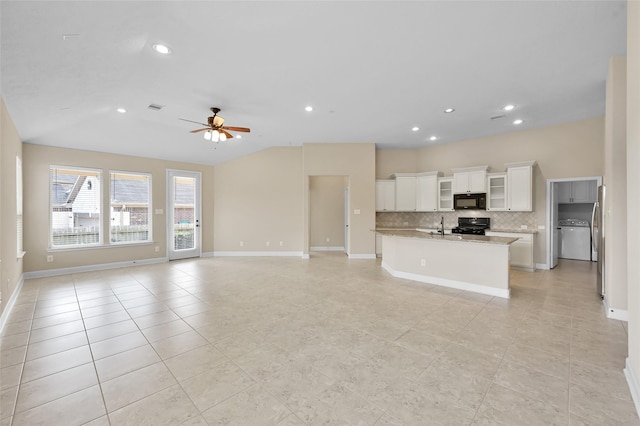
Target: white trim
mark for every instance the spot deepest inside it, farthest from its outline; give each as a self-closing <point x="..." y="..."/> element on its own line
<point x="632" y="381"/>
<point x="362" y="256"/>
<point x="88" y="268"/>
<point x="321" y="248"/>
<point x="542" y="266"/>
<point x="460" y="285"/>
<point x="207" y="254"/>
<point x="258" y="253"/>
<point x="9" y="306"/>
<point x="305" y="256"/>
<point x="616" y="314"/>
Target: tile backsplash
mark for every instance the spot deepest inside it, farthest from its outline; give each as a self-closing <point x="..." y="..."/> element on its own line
<point x="499" y="220"/>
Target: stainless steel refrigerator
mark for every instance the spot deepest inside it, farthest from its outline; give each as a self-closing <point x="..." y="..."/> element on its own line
<point x="598" y="238"/>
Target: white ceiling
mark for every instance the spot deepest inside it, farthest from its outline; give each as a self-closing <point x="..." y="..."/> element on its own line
<point x="371" y="69"/>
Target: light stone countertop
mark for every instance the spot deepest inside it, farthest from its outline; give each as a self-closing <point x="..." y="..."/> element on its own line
<point x="414" y="233"/>
<point x="513" y="230"/>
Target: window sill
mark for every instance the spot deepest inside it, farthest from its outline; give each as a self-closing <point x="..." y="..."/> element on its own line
<point x="100" y="246"/>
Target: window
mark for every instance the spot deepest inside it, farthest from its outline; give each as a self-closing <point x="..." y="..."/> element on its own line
<point x="19" y="206"/>
<point x="75" y="207"/>
<point x="130" y="219"/>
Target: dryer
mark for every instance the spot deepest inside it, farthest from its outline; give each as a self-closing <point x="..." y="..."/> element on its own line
<point x="575" y="239"/>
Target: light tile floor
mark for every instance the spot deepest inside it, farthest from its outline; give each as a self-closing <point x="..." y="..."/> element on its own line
<point x="263" y="341"/>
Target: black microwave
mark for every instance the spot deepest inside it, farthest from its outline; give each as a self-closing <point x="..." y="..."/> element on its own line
<point x="470" y="201"/>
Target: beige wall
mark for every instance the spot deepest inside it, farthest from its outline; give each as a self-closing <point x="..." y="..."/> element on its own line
<point x="258" y="199"/>
<point x="633" y="195"/>
<point x="615" y="181"/>
<point x="11" y="267"/>
<point x="37" y="160"/>
<point x="357" y="161"/>
<point x="564" y="151"/>
<point x="326" y="197"/>
<point x="390" y="161"/>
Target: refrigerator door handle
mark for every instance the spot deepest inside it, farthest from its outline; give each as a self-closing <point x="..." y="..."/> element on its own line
<point x="594" y="242"/>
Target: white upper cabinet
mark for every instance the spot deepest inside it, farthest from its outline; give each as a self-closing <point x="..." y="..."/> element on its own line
<point x="385" y="195"/>
<point x="579" y="191"/>
<point x="427" y="192"/>
<point x="497" y="191"/>
<point x="470" y="180"/>
<point x="520" y="186"/>
<point x="405" y="191"/>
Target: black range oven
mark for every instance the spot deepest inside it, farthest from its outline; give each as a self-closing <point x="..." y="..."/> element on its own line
<point x="472" y="225"/>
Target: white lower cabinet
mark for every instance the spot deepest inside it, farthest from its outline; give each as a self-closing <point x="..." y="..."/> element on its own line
<point x="378" y="245"/>
<point x="521" y="251"/>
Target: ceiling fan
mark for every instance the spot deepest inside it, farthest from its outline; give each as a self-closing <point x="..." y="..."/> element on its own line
<point x="215" y="131"/>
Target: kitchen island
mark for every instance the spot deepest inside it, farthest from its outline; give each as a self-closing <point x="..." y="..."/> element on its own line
<point x="475" y="263"/>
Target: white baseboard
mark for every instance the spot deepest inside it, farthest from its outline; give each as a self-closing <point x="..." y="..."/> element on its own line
<point x="257" y="253"/>
<point x="542" y="266"/>
<point x="362" y="256"/>
<point x="616" y="314"/>
<point x="89" y="268"/>
<point x="9" y="306"/>
<point x="326" y="248"/>
<point x="460" y="285"/>
<point x="305" y="256"/>
<point x="206" y="254"/>
<point x="634" y="385"/>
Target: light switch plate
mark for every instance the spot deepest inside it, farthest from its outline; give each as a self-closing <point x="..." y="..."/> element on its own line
<point x="356" y="211"/>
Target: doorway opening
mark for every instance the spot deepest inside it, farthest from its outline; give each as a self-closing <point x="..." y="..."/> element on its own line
<point x="328" y="211"/>
<point x="570" y="209"/>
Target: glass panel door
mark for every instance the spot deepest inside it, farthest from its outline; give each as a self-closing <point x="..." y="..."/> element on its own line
<point x="183" y="214"/>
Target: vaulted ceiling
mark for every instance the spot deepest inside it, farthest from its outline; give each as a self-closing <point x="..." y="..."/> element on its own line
<point x="371" y="70"/>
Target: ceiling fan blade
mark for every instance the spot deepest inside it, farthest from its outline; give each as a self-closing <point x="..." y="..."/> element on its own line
<point x="227" y="134"/>
<point x="190" y="121"/>
<point x="200" y="130"/>
<point x="218" y="121"/>
<point x="237" y="129"/>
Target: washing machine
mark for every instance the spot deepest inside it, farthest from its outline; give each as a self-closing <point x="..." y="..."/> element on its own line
<point x="575" y="239"/>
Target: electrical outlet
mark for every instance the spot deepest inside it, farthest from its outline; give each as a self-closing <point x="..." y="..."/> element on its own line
<point x="268" y="243"/>
<point x="356" y="211"/>
<point x="281" y="243"/>
<point x="50" y="258"/>
<point x="423" y="262"/>
<point x="241" y="243"/>
<point x="523" y="226"/>
<point x="328" y="239"/>
<point x="157" y="249"/>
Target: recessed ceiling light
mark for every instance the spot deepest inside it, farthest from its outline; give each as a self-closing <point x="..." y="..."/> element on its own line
<point x="308" y="108"/>
<point x="161" y="48"/>
<point x="448" y="110"/>
<point x="415" y="129"/>
<point x="121" y="110"/>
<point x="433" y="138"/>
<point x="238" y="136"/>
<point x="518" y="121"/>
<point x="508" y="107"/>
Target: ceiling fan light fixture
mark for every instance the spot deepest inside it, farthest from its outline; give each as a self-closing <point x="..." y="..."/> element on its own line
<point x="223" y="137"/>
<point x="207" y="135"/>
<point x="215" y="136"/>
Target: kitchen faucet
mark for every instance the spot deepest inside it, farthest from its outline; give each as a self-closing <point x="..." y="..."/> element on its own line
<point x="441" y="230"/>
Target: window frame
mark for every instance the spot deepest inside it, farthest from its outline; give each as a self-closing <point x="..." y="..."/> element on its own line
<point x="93" y="171"/>
<point x="149" y="177"/>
